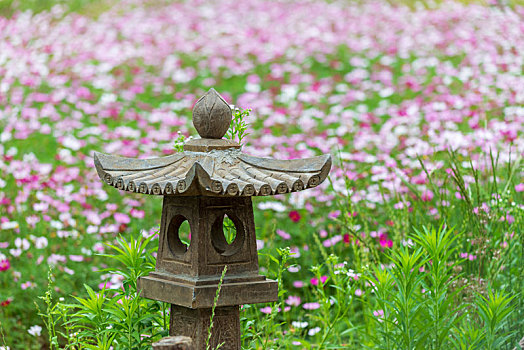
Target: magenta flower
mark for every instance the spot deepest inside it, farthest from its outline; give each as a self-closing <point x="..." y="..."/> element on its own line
<point x="6" y="302"/>
<point x="385" y="242"/>
<point x="334" y="214"/>
<point x="294" y="216"/>
<point x="4" y="265"/>
<point x="427" y="196"/>
<point x="314" y="281"/>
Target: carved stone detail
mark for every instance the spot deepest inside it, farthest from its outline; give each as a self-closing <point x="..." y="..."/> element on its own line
<point x="212" y="115"/>
<point x="194" y="323"/>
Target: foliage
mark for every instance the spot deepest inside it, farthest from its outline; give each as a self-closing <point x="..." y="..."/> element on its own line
<point x="110" y="319"/>
<point x="215" y="301"/>
<point x="178" y="146"/>
<point x="239" y="126"/>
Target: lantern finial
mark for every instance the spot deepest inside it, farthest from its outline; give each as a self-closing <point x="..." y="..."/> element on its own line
<point x="212" y="115"/>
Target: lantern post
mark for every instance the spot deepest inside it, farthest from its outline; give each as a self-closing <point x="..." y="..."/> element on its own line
<point x="211" y="179"/>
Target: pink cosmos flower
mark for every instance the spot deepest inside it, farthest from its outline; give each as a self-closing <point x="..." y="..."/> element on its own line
<point x="379" y="314"/>
<point x="298" y="284"/>
<point x="122" y="218"/>
<point x="314" y="281"/>
<point x="111" y="206"/>
<point x="332" y="241"/>
<point x="334" y="214"/>
<point x="266" y="310"/>
<point x="293" y="300"/>
<point x="27" y="285"/>
<point x="283" y="234"/>
<point x="311" y="306"/>
<point x="427" y="196"/>
<point x="520" y="187"/>
<point x="5" y="265"/>
<point x="295" y="252"/>
<point x="76" y="258"/>
<point x="385" y="242"/>
<point x="139" y="214"/>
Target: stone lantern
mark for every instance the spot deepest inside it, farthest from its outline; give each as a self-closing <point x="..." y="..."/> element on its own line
<point x="211" y="179"/>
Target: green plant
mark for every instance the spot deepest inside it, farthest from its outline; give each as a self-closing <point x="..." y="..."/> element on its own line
<point x="92" y="320"/>
<point x="334" y="293"/>
<point x="440" y="309"/>
<point x="178" y="146"/>
<point x="494" y="311"/>
<point x="419" y="299"/>
<point x="110" y="318"/>
<point x="238" y="128"/>
<point x="260" y="331"/>
<point x="229" y="230"/>
<point x="56" y="319"/>
<point x="215" y="302"/>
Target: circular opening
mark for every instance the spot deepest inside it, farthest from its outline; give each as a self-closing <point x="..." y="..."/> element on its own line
<point x="227" y="234"/>
<point x="178" y="235"/>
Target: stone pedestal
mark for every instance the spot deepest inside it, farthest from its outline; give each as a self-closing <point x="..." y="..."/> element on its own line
<point x="194" y="323"/>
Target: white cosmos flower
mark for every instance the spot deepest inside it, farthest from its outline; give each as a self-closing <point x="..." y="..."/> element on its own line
<point x="298" y="324"/>
<point x="313" y="331"/>
<point x="276" y="206"/>
<point x="35" y="330"/>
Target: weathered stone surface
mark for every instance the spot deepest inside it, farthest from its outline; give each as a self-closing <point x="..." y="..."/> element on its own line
<point x="195" y="324"/>
<point x="212" y="115"/>
<point x="174" y="343"/>
<point x="215" y="173"/>
<point x="206" y="145"/>
<point x="208" y="251"/>
<point x="156" y="287"/>
<point x="189" y="276"/>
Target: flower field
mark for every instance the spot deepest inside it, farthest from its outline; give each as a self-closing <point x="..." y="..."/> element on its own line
<point x="415" y="241"/>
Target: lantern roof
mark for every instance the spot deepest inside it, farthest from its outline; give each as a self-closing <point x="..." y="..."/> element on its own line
<point x="212" y="166"/>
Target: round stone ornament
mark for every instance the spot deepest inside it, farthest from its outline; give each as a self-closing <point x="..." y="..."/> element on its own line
<point x="212" y="115"/>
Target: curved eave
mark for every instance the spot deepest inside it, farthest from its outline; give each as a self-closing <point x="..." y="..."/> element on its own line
<point x="202" y="174"/>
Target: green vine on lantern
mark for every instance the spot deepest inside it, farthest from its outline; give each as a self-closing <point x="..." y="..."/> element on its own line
<point x="238" y="128"/>
<point x="179" y="142"/>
